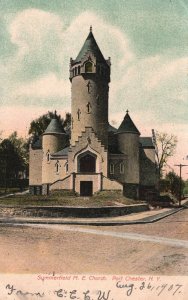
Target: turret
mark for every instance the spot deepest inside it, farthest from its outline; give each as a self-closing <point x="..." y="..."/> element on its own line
<point x="54" y="137"/>
<point x="90" y="76"/>
<point x="53" y="140"/>
<point x="128" y="143"/>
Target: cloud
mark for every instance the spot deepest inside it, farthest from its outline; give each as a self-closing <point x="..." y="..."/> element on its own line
<point x="111" y="40"/>
<point x="45" y="87"/>
<point x="40" y="66"/>
<point x="38" y="37"/>
<point x="156" y="85"/>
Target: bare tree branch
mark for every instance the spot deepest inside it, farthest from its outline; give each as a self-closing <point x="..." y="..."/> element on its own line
<point x="165" y="148"/>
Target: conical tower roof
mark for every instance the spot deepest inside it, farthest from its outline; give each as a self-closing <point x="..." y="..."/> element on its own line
<point x="128" y="126"/>
<point x="54" y="127"/>
<point x="90" y="46"/>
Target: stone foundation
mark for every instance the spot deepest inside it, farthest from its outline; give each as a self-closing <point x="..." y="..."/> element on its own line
<point x="131" y="190"/>
<point x="71" y="212"/>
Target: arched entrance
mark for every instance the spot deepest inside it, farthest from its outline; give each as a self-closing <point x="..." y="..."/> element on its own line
<point x="86" y="167"/>
<point x="87" y="163"/>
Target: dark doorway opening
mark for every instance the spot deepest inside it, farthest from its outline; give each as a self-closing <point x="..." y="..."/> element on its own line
<point x="87" y="164"/>
<point x="86" y="188"/>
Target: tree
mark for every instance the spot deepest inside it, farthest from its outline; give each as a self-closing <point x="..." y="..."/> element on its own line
<point x="39" y="125"/>
<point x="174" y="183"/>
<point x="165" y="145"/>
<point x="13" y="159"/>
<point x="22" y="148"/>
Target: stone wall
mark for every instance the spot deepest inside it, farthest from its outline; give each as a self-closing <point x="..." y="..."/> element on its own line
<point x="74" y="212"/>
<point x="35" y="167"/>
<point x="62" y="184"/>
<point x="109" y="184"/>
<point x="131" y="190"/>
<point x="49" y="171"/>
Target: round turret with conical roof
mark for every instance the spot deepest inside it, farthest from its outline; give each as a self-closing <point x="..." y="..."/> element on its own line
<point x="128" y="143"/>
<point x="90" y="76"/>
<point x="54" y="138"/>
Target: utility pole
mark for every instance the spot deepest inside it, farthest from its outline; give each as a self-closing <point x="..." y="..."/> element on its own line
<point x="180" y="185"/>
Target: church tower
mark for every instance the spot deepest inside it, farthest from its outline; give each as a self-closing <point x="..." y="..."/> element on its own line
<point x="90" y="76"/>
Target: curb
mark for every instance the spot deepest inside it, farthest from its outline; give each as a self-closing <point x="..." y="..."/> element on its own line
<point x="146" y="220"/>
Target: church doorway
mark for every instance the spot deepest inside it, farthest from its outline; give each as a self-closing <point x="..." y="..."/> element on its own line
<point x="87" y="163"/>
<point x="86" y="188"/>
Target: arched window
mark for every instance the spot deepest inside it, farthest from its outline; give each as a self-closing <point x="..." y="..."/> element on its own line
<point x="88" y="105"/>
<point x="122" y="168"/>
<point x="48" y="156"/>
<point x="75" y="71"/>
<point x="87" y="163"/>
<point x="66" y="167"/>
<point x="88" y="67"/>
<point x="78" y="69"/>
<point x="57" y="166"/>
<point x="111" y="168"/>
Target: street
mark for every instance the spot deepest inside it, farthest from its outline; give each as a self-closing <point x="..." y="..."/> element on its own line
<point x="157" y="248"/>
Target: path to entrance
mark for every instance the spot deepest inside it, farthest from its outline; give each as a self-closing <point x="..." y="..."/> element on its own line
<point x="123" y="235"/>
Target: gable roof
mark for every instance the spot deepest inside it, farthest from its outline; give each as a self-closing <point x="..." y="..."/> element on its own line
<point x="90" y="45"/>
<point x="127" y="126"/>
<point x="147" y="142"/>
<point x="63" y="152"/>
<point x="54" y="127"/>
<point x="37" y="143"/>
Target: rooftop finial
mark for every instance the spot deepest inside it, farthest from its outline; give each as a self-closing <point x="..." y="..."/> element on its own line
<point x="127" y="111"/>
<point x="90" y="28"/>
<point x="55" y="113"/>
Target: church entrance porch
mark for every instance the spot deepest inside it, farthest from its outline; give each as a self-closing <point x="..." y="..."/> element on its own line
<point x="86" y="188"/>
<point x="86" y="184"/>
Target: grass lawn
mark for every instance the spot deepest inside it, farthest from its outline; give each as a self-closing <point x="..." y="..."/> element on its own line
<point x="9" y="190"/>
<point x="63" y="198"/>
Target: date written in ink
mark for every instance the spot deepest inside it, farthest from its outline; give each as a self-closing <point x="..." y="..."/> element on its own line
<point x="130" y="288"/>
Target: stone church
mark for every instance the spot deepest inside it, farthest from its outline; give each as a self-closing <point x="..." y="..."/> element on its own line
<point x="94" y="156"/>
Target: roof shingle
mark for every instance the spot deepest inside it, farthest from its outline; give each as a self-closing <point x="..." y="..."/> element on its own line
<point x="127" y="126"/>
<point x="54" y="127"/>
<point x="91" y="46"/>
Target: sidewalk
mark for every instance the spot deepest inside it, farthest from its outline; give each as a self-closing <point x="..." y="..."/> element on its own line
<point x="135" y="218"/>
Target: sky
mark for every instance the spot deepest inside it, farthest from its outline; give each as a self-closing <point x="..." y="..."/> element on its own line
<point x="147" y="41"/>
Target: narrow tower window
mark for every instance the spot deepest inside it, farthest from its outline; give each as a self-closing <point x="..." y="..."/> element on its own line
<point x="88" y="107"/>
<point x="66" y="167"/>
<point x="75" y="71"/>
<point x="48" y="156"/>
<point x="57" y="166"/>
<point x="89" y="87"/>
<point x="78" y="69"/>
<point x="78" y="114"/>
<point x="88" y="67"/>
